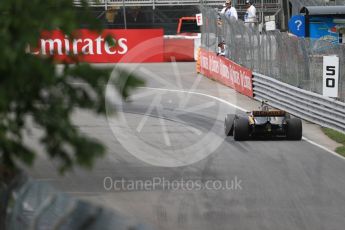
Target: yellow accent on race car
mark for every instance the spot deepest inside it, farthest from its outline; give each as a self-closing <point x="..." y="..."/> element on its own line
<point x="251" y="120"/>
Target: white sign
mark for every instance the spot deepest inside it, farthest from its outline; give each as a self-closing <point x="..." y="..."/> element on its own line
<point x="198" y="19"/>
<point x="330" y="76"/>
<point x="271" y="25"/>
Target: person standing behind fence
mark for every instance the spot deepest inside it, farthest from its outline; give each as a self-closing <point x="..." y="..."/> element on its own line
<point x="222" y="49"/>
<point x="250" y="16"/>
<point x="230" y="11"/>
<point x="223" y="9"/>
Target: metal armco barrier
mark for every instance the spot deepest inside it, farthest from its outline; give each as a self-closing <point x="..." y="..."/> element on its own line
<point x="304" y="104"/>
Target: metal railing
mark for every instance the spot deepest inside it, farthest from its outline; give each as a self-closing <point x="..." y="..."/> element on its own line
<point x="307" y="105"/>
<point x="258" y="2"/>
<point x="237" y="3"/>
<point x="298" y="4"/>
<point x="266" y="6"/>
<point x="120" y="3"/>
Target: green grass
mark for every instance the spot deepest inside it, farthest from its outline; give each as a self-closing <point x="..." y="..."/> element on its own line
<point x="341" y="150"/>
<point x="337" y="137"/>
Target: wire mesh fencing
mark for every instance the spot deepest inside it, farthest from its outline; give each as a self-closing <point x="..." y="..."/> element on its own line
<point x="293" y="60"/>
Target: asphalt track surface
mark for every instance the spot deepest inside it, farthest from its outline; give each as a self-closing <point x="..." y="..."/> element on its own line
<point x="281" y="184"/>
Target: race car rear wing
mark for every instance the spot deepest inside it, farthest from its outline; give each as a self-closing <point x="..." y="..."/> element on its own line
<point x="271" y="113"/>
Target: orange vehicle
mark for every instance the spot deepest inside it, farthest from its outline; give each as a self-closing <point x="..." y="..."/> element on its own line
<point x="187" y="25"/>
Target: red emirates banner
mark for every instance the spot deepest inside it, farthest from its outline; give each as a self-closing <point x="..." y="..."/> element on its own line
<point x="226" y="72"/>
<point x="130" y="46"/>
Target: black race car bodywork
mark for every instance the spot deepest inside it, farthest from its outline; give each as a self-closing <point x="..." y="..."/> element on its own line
<point x="263" y="123"/>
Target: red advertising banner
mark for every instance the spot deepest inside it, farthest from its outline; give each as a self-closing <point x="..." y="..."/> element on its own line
<point x="179" y="49"/>
<point x="90" y="46"/>
<point x="226" y="72"/>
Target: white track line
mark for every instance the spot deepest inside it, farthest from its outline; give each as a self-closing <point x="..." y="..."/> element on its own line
<point x="244" y="110"/>
<point x="197" y="93"/>
<point x="323" y="147"/>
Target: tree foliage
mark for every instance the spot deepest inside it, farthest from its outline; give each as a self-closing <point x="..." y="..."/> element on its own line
<point x="31" y="87"/>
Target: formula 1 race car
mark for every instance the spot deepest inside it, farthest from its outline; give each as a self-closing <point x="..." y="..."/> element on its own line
<point x="265" y="122"/>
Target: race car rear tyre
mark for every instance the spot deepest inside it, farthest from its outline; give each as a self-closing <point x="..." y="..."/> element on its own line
<point x="229" y="124"/>
<point x="241" y="129"/>
<point x="294" y="129"/>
